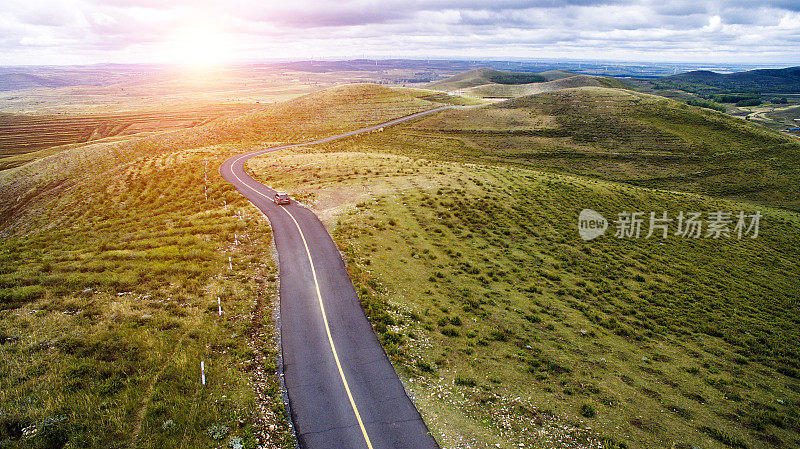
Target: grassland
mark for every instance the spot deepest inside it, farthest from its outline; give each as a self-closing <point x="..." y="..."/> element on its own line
<point x="113" y="256"/>
<point x="510" y="329"/>
<point x="752" y="81"/>
<point x="521" y="90"/>
<point x="481" y="76"/>
<point x="23" y="134"/>
<point x="487" y="83"/>
<point x="779" y="117"/>
<point x="109" y="305"/>
<point x="331" y="111"/>
<point x="613" y="134"/>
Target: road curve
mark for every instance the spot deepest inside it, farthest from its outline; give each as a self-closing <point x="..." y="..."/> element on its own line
<point x="343" y="392"/>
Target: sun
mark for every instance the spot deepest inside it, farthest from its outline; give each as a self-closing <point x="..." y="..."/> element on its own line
<point x="200" y="44"/>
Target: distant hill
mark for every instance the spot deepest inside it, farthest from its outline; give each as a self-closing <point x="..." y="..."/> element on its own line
<point x="478" y="77"/>
<point x="519" y="90"/>
<point x="17" y="78"/>
<point x="489" y="83"/>
<point x="619" y="135"/>
<point x="552" y="75"/>
<point x="329" y="111"/>
<point x="756" y="81"/>
<point x="16" y="81"/>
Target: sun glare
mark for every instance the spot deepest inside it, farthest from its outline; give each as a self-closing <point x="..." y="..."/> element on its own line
<point x="199" y="45"/>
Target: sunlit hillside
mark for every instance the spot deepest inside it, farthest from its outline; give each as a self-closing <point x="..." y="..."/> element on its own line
<point x="114" y="255"/>
<point x="512" y="330"/>
<point x="617" y="135"/>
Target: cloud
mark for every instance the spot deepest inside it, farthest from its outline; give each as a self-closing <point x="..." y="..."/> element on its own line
<point x="49" y="31"/>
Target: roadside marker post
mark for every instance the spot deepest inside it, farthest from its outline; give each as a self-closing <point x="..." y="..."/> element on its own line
<point x="219" y="306"/>
<point x="230" y="264"/>
<point x="203" y="372"/>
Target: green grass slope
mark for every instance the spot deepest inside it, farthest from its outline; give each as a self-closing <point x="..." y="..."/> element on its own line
<point x="112" y="259"/>
<point x="520" y="90"/>
<point x="331" y="111"/>
<point x="511" y="330"/>
<point x="24" y="135"/>
<point x="552" y="75"/>
<point x="756" y="81"/>
<point x="108" y="305"/>
<point x="617" y="135"/>
<point x="477" y="77"/>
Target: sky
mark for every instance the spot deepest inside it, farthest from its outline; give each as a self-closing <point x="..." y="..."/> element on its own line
<point x="53" y="32"/>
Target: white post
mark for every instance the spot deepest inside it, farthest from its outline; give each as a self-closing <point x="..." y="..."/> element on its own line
<point x="226" y="204"/>
<point x="235" y="239"/>
<point x="203" y="371"/>
<point x="219" y="306"/>
<point x="230" y="264"/>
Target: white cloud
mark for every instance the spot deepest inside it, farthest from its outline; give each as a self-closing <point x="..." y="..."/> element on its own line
<point x="53" y="31"/>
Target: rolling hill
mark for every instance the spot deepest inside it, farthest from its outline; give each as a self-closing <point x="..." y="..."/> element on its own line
<point x="318" y="114"/>
<point x="114" y="255"/>
<point x="552" y="75"/>
<point x="495" y="90"/>
<point x="511" y="330"/>
<point x="16" y="81"/>
<point x="618" y="135"/>
<point x="462" y="245"/>
<point x="488" y="83"/>
<point x="477" y="77"/>
<point x="330" y="111"/>
<point x="756" y="81"/>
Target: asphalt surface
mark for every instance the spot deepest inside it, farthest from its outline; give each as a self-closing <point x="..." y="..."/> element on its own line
<point x="343" y="392"/>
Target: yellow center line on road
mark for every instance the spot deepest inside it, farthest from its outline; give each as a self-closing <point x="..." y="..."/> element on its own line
<point x="321" y="307"/>
<point x="308" y="251"/>
<point x="328" y="330"/>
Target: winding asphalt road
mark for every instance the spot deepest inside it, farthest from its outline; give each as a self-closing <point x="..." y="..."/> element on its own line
<point x="343" y="392"/>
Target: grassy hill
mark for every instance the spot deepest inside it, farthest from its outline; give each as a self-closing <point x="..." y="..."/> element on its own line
<point x="521" y="90"/>
<point x="477" y="77"/>
<point x="108" y="305"/>
<point x="616" y="135"/>
<point x="330" y="111"/>
<point x="16" y="81"/>
<point x="24" y="134"/>
<point x="510" y="329"/>
<point x="756" y="81"/>
<point x="319" y="114"/>
<point x="552" y="75"/>
<point x="113" y="256"/>
<point x="488" y="83"/>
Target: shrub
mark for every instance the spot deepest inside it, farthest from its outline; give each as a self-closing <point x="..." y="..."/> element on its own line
<point x="450" y="332"/>
<point x="499" y="335"/>
<point x="707" y="104"/>
<point x="217" y="431"/>
<point x="587" y="410"/>
<point x="723" y="437"/>
<point x="516" y="78"/>
<point x="425" y="367"/>
<point x="749" y="102"/>
<point x="465" y="381"/>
